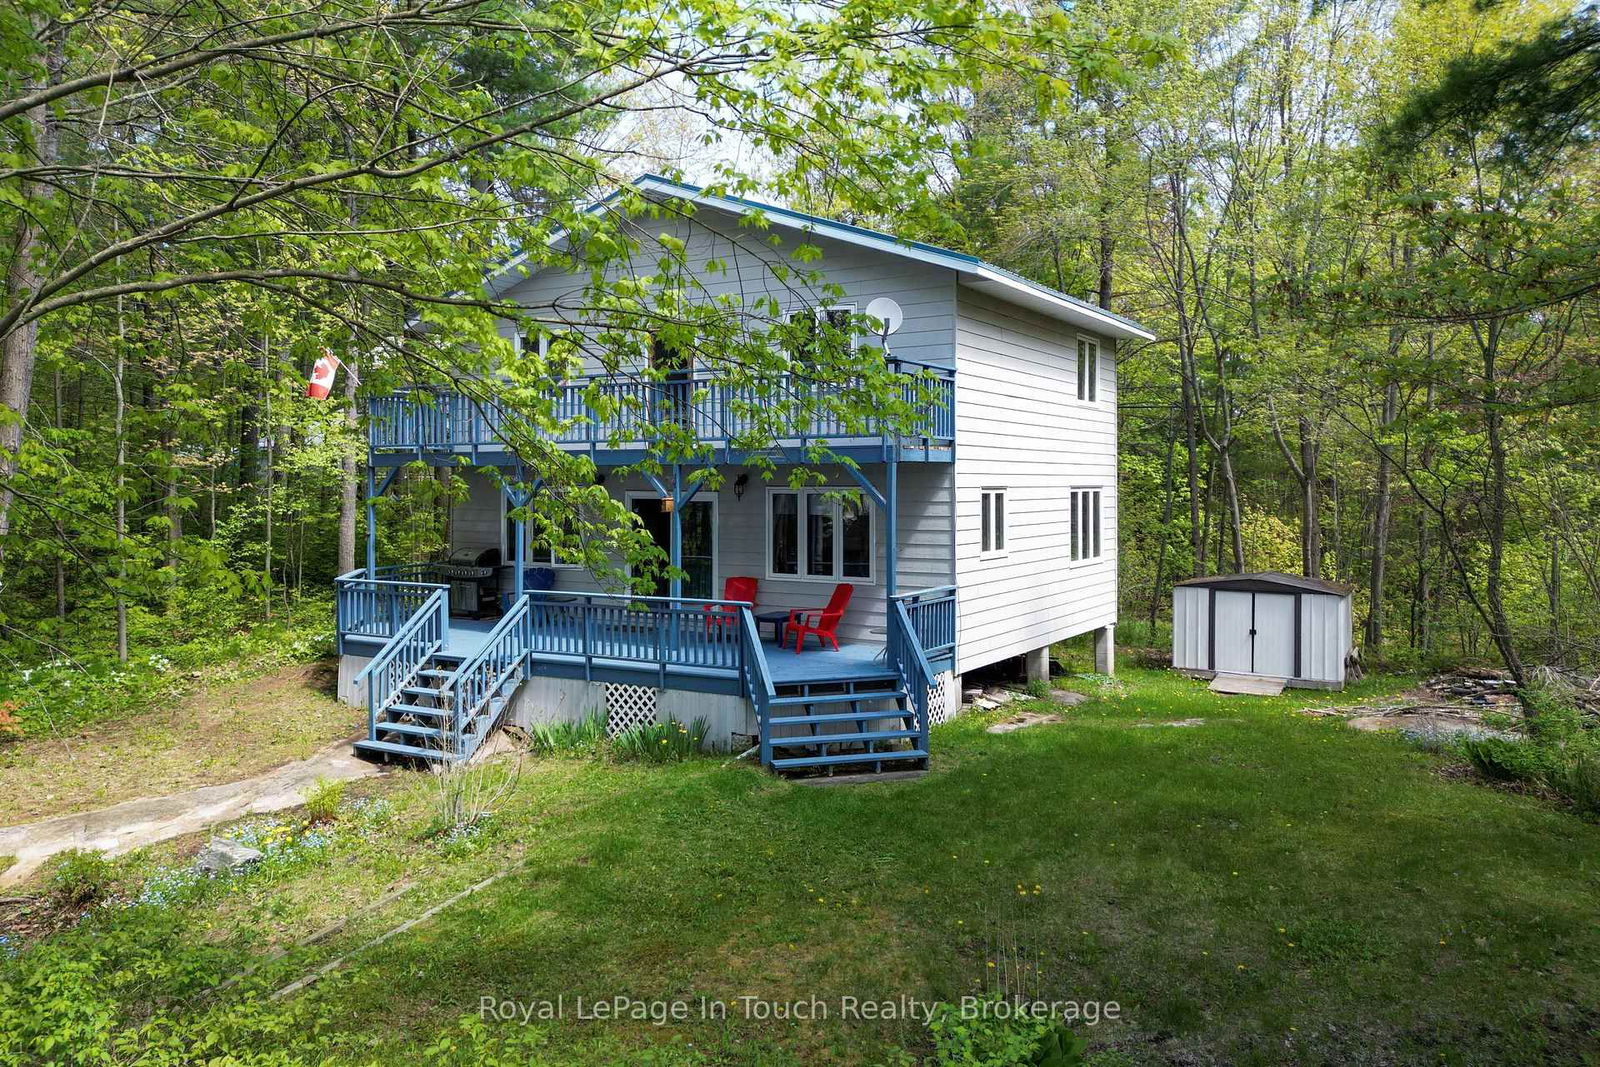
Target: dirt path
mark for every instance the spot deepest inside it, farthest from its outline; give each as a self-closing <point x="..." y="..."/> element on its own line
<point x="222" y="733"/>
<point x="136" y="823"/>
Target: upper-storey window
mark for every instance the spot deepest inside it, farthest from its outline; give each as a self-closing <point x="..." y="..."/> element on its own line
<point x="821" y="533"/>
<point x="1088" y="369"/>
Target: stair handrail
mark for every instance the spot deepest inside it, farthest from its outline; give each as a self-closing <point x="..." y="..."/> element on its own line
<point x="467" y="690"/>
<point x="906" y="654"/>
<point x="758" y="679"/>
<point x="421" y="635"/>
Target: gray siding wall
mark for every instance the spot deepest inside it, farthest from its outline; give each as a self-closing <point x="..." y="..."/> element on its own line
<point x="1020" y="427"/>
<point x="926" y="539"/>
<point x="926" y="294"/>
<point x="1191" y="628"/>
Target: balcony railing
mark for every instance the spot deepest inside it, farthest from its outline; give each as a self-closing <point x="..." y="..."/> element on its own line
<point x="601" y="411"/>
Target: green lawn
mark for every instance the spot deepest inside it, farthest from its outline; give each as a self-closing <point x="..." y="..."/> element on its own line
<point x="1264" y="888"/>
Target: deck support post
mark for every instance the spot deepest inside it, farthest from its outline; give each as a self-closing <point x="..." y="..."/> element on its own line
<point x="372" y="525"/>
<point x="891" y="526"/>
<point x="374" y="491"/>
<point x="1105" y="660"/>
<point x="1038" y="664"/>
<point x="675" y="546"/>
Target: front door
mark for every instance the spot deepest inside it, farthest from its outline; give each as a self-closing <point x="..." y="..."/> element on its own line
<point x="699" y="543"/>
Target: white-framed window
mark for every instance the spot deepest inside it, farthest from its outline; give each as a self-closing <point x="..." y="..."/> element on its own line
<point x="1088" y="369"/>
<point x="993" y="522"/>
<point x="538" y="552"/>
<point x="1083" y="526"/>
<point x="809" y="324"/>
<point x="819" y="534"/>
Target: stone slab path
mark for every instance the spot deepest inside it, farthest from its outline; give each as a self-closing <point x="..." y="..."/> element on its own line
<point x="136" y="823"/>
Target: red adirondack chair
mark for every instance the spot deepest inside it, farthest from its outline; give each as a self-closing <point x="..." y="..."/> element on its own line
<point x="721" y="615"/>
<point x="824" y="623"/>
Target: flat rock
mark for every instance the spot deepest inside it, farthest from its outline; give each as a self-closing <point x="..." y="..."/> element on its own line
<point x="1422" y="723"/>
<point x="1068" y="697"/>
<point x="1022" y="721"/>
<point x="1174" y="722"/>
<point x="224" y="855"/>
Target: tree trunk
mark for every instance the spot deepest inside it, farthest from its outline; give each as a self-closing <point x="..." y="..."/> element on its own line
<point x="1310" y="501"/>
<point x="1494" y="597"/>
<point x="37" y="136"/>
<point x="121" y="519"/>
<point x="1380" y="530"/>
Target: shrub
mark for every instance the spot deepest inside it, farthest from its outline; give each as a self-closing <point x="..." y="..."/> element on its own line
<point x="323" y="800"/>
<point x="663" y="742"/>
<point x="586" y="737"/>
<point x="465" y="795"/>
<point x="1039" y="688"/>
<point x="1579" y="781"/>
<point x="1501" y="759"/>
<point x="1001" y="1039"/>
<point x="81" y="877"/>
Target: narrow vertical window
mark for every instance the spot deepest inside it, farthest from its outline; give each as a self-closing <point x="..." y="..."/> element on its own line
<point x="855" y="535"/>
<point x="785" y="523"/>
<point x="820" y="516"/>
<point x="1088" y="369"/>
<point x="992" y="520"/>
<point x="1083" y="524"/>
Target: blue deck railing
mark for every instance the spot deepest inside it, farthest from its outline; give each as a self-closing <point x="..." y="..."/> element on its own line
<point x="471" y="691"/>
<point x="656" y="633"/>
<point x="603" y="411"/>
<point x="931" y="614"/>
<point x="379" y="607"/>
<point x="408" y="650"/>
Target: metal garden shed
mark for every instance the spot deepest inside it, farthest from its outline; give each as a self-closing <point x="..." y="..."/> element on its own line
<point x="1266" y="624"/>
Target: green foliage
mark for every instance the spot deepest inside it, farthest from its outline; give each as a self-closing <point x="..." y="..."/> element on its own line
<point x="663" y="742"/>
<point x="68" y="692"/>
<point x="81" y="877"/>
<point x="586" y="737"/>
<point x="992" y="1033"/>
<point x="323" y="799"/>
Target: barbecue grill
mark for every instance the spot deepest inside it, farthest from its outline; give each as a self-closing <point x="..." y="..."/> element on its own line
<point x="470" y="572"/>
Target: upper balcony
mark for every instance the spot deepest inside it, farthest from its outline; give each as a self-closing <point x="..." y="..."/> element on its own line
<point x="608" y="417"/>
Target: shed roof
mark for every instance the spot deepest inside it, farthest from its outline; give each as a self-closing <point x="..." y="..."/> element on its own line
<point x="970" y="271"/>
<point x="1256" y="579"/>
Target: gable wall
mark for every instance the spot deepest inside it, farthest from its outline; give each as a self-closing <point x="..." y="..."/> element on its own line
<point x="926" y="294"/>
<point x="1020" y="427"/>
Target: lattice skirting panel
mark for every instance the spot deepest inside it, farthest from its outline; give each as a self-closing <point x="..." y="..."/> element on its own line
<point x="629" y="707"/>
<point x="944" y="699"/>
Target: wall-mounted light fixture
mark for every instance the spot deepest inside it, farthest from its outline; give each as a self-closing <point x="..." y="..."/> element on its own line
<point x="739" y="485"/>
<point x="666" y="505"/>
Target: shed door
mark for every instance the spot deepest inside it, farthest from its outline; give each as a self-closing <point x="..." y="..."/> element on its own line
<point x="1234" y="621"/>
<point x="1274" y="645"/>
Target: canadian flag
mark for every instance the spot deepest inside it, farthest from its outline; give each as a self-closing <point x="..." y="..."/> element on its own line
<point x="322" y="374"/>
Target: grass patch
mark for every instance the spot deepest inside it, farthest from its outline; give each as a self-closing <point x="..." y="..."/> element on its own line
<point x="226" y="730"/>
<point x="1263" y="888"/>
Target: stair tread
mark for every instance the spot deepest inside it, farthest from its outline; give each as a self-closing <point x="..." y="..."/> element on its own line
<point x="421" y="690"/>
<point x="394" y="748"/>
<point x="853" y="757"/>
<point x="414" y="709"/>
<point x="837" y="739"/>
<point x="411" y="729"/>
<point x="836" y="698"/>
<point x="837" y="716"/>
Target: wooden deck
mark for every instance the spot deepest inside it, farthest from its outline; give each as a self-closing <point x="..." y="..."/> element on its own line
<point x="853" y="662"/>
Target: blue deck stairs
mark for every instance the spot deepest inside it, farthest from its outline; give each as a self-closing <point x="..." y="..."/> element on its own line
<point x="426" y="705"/>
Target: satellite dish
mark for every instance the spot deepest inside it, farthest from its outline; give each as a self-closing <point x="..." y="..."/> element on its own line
<point x="887" y="312"/>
